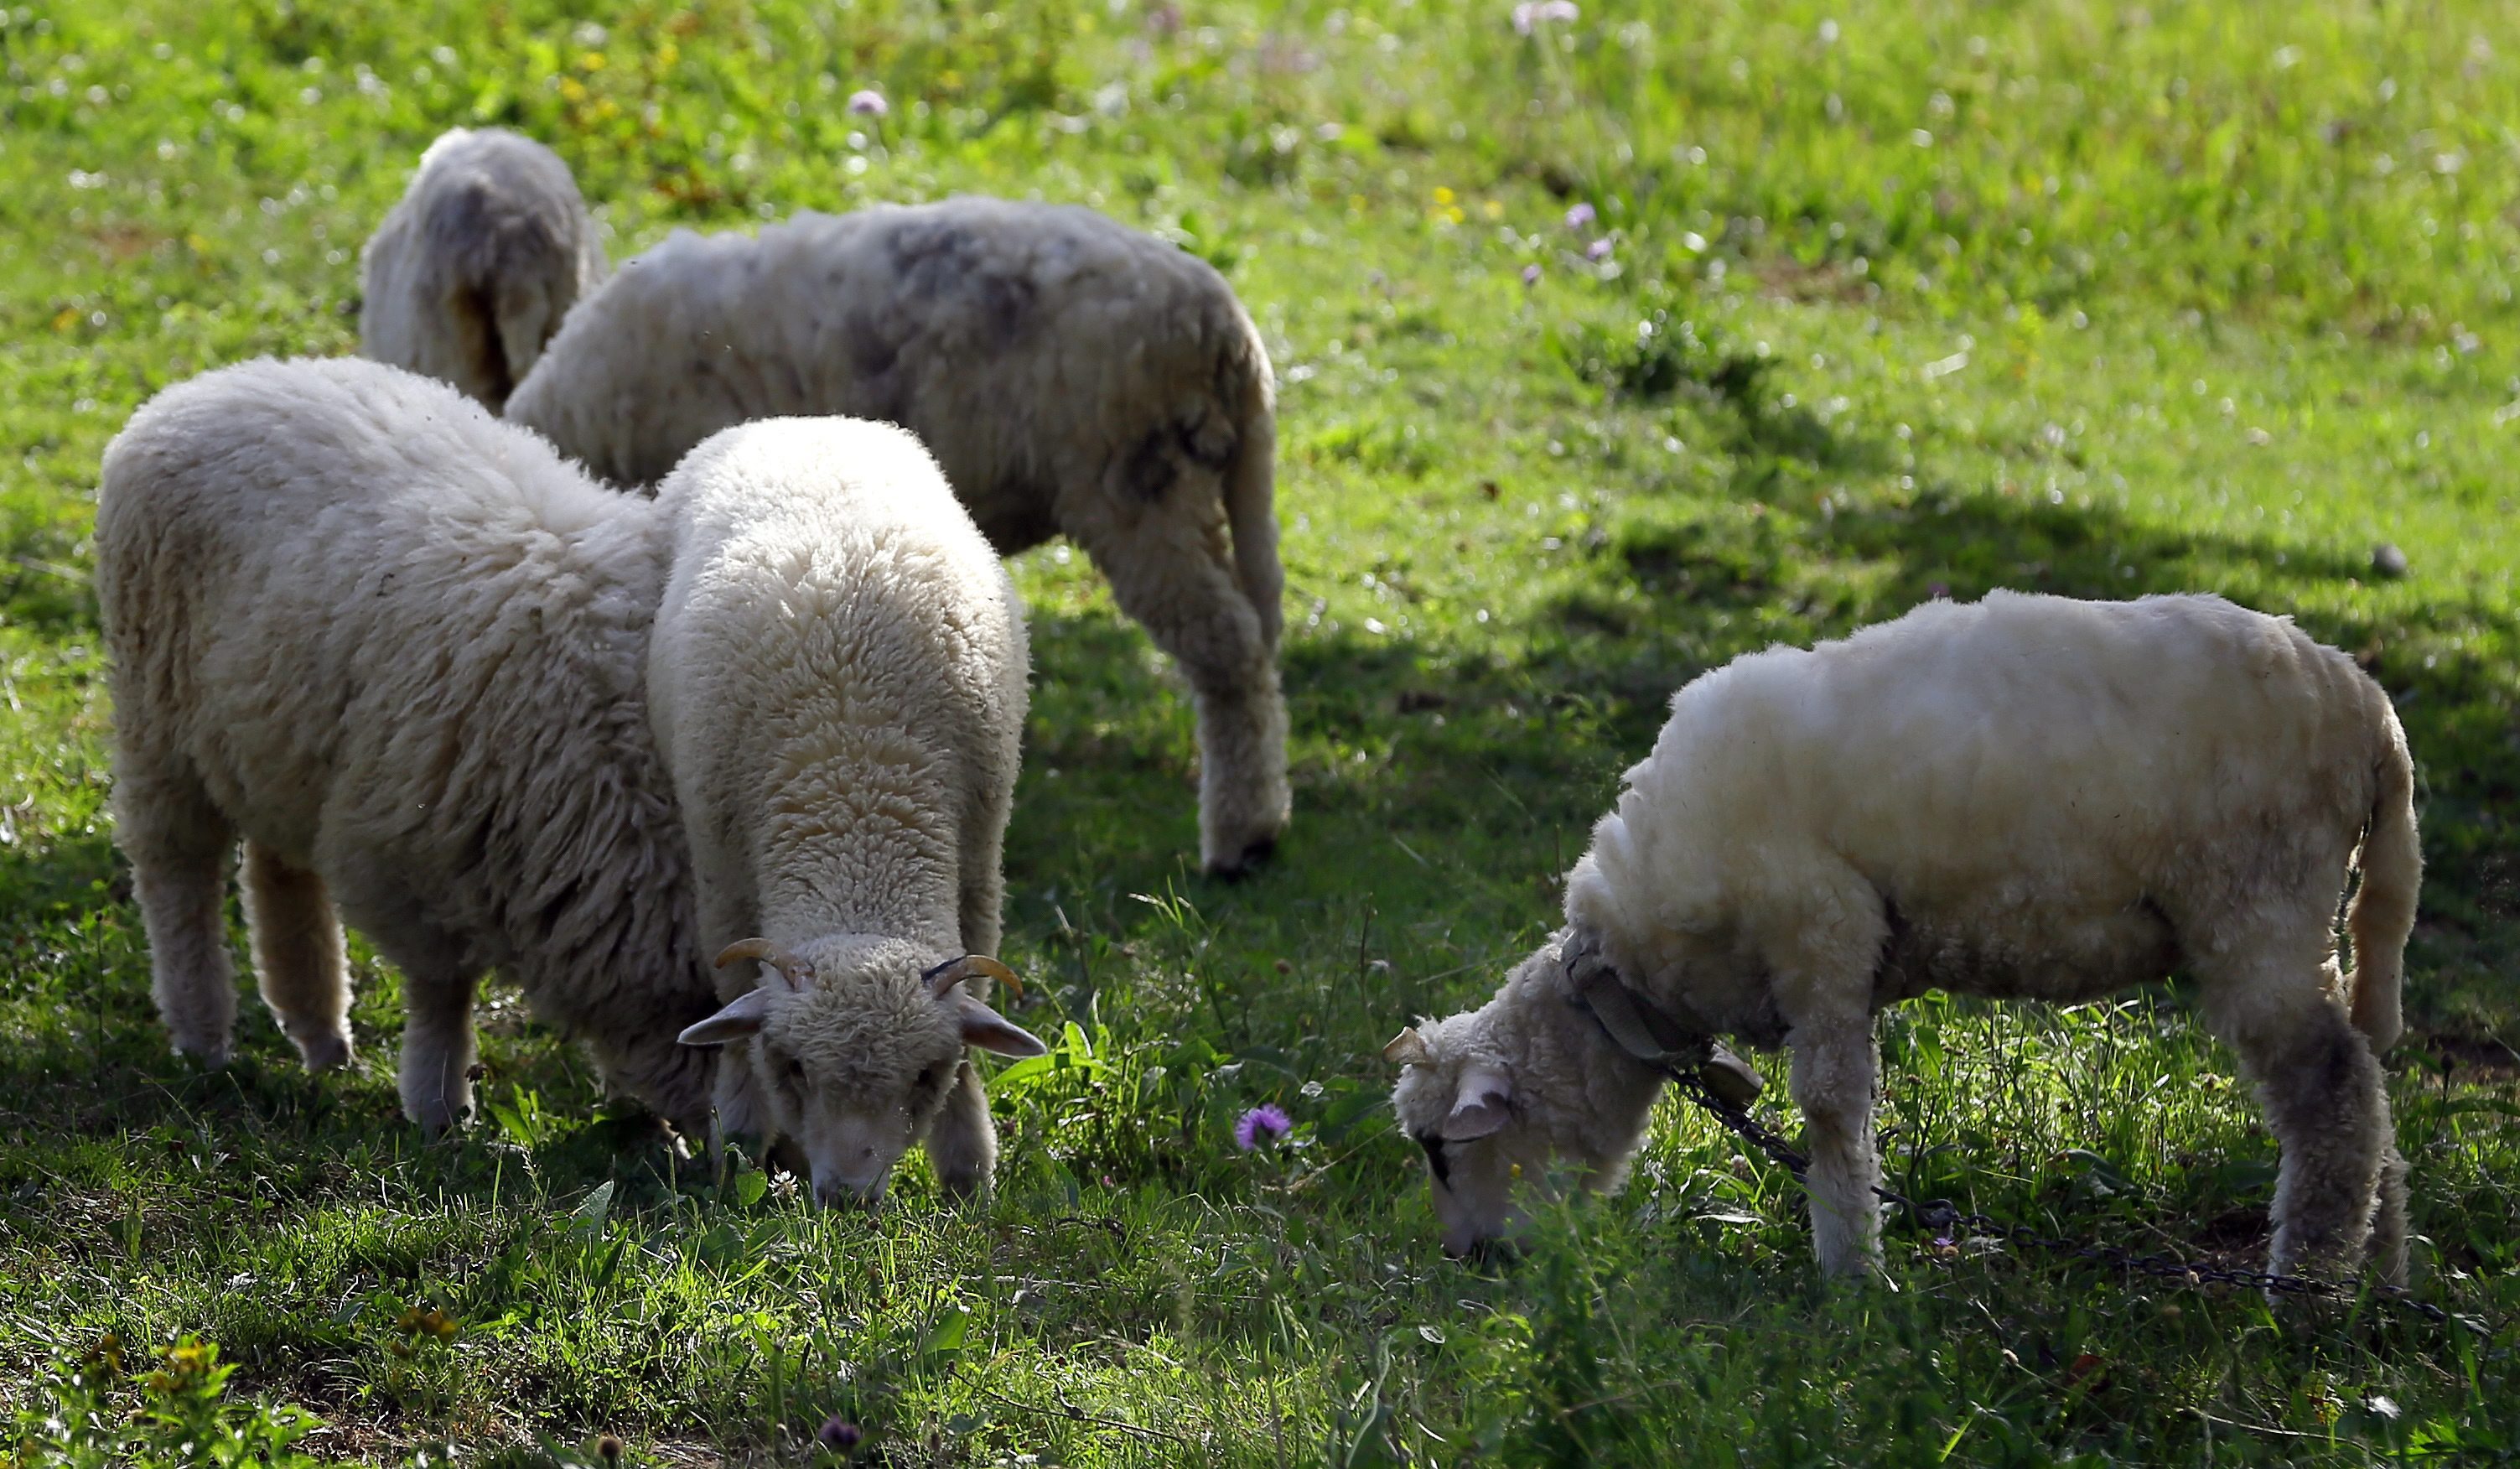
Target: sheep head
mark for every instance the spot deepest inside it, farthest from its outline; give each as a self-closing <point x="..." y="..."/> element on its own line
<point x="854" y="1042"/>
<point x="1455" y="1100"/>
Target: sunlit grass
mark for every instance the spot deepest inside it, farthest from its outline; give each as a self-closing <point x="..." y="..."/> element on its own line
<point x="1607" y="353"/>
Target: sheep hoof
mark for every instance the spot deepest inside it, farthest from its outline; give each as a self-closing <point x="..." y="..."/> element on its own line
<point x="323" y="1053"/>
<point x="1245" y="865"/>
<point x="209" y="1055"/>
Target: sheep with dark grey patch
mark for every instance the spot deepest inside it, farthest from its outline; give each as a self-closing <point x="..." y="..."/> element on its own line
<point x="1073" y="376"/>
<point x="478" y="265"/>
<point x="2029" y="797"/>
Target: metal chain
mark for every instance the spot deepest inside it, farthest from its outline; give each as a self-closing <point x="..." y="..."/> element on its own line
<point x="1944" y="1214"/>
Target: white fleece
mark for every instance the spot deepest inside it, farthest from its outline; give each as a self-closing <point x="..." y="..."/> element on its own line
<point x="2029" y="797"/>
<point x="418" y="663"/>
<point x="1073" y="376"/>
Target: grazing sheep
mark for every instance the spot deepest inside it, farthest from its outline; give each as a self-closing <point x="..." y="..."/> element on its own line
<point x="405" y="652"/>
<point x="1074" y="378"/>
<point x="474" y="269"/>
<point x="837" y="680"/>
<point x="2031" y="796"/>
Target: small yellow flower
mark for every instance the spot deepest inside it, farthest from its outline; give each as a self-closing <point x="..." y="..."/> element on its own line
<point x="1443" y="194"/>
<point x="571" y="89"/>
<point x="592" y="60"/>
<point x="1492" y="209"/>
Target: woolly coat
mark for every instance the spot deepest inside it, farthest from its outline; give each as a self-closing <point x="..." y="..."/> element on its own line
<point x="400" y="644"/>
<point x="838" y="679"/>
<point x="1037" y="350"/>
<point x="475" y="267"/>
<point x="1072" y="377"/>
<point x="2027" y="797"/>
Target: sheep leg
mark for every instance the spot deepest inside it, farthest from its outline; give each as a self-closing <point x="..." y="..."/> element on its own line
<point x="2324" y="1100"/>
<point x="297" y="956"/>
<point x="674" y="1080"/>
<point x="983" y="899"/>
<point x="1176" y="577"/>
<point x="437" y="1055"/>
<point x="963" y="1144"/>
<point x="178" y="844"/>
<point x="2387" y="1252"/>
<point x="1834" y="1065"/>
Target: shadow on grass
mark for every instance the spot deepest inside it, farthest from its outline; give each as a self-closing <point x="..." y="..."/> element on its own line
<point x="1441" y="774"/>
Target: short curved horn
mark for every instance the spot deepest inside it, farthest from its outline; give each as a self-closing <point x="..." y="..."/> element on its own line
<point x="954" y="972"/>
<point x="1407" y="1048"/>
<point x="797" y="971"/>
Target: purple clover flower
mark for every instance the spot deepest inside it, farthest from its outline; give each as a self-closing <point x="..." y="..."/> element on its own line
<point x="1599" y="250"/>
<point x="869" y="103"/>
<point x="1533" y="14"/>
<point x="1580" y="217"/>
<point x="1531" y="275"/>
<point x="839" y="1434"/>
<point x="1266" y="1123"/>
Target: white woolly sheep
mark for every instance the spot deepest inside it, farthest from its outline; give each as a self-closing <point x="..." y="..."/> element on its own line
<point x="404" y="651"/>
<point x="1074" y="377"/>
<point x="837" y="680"/>
<point x="2031" y="796"/>
<point x="474" y="270"/>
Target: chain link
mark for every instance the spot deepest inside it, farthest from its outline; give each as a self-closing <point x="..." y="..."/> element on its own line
<point x="1944" y="1215"/>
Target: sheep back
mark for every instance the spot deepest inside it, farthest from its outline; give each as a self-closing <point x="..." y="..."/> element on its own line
<point x="838" y="680"/>
<point x="1027" y="345"/>
<point x="2049" y="795"/>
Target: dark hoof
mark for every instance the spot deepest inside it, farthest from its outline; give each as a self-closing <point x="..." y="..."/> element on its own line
<point x="1254" y="857"/>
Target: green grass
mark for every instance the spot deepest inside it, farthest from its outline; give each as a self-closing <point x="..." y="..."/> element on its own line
<point x="2048" y="295"/>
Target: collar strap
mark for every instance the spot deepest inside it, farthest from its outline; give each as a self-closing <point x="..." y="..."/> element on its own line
<point x="1636" y="1027"/>
<point x="1645" y="1032"/>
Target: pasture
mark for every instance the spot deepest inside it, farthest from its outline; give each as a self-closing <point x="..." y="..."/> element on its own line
<point x="1608" y="348"/>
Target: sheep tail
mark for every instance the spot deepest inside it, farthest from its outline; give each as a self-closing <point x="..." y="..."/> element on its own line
<point x="524" y="314"/>
<point x="502" y="306"/>
<point x="1250" y="488"/>
<point x="2383" y="913"/>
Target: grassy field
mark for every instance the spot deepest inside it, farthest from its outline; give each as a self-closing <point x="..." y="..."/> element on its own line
<point x="1608" y="352"/>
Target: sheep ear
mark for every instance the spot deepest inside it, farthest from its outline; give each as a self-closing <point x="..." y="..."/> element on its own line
<point x="991" y="1031"/>
<point x="740" y="1018"/>
<point x="1482" y="1105"/>
<point x="1407" y="1048"/>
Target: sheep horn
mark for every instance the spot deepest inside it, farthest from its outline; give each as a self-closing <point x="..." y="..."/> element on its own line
<point x="1407" y="1048"/>
<point x="954" y="972"/>
<point x="797" y="971"/>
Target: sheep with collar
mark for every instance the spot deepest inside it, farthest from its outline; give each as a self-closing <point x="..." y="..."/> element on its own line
<point x="1074" y="377"/>
<point x="442" y="683"/>
<point x="2030" y="797"/>
<point x="474" y="268"/>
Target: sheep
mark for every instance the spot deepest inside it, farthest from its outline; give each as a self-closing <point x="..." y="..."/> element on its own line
<point x="408" y="655"/>
<point x="837" y="681"/>
<point x="1073" y="376"/>
<point x="472" y="271"/>
<point x="2029" y="797"/>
